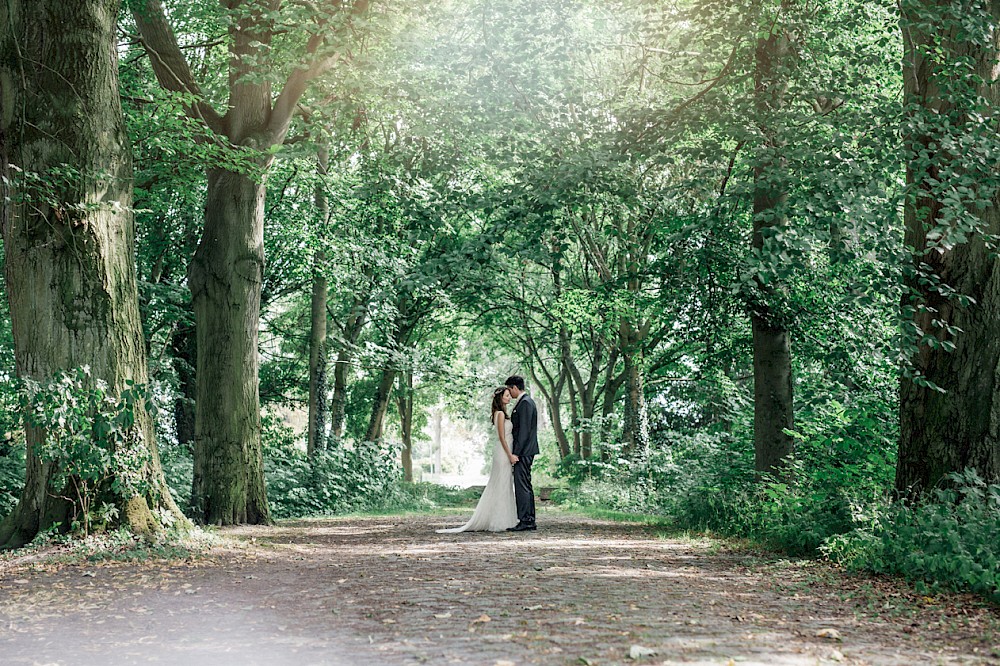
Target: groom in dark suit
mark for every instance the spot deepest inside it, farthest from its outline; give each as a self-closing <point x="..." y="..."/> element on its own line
<point x="524" y="420"/>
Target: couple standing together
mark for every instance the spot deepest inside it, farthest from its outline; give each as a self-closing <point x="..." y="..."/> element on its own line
<point x="508" y="502"/>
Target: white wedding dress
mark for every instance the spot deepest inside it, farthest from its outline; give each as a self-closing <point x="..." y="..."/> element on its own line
<point x="497" y="509"/>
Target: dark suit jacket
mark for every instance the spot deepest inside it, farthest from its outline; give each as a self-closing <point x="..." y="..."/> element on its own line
<point x="524" y="420"/>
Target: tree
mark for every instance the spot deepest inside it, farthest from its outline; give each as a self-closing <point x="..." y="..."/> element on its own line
<point x="69" y="239"/>
<point x="226" y="272"/>
<point x="316" y="432"/>
<point x="772" y="355"/>
<point x="950" y="398"/>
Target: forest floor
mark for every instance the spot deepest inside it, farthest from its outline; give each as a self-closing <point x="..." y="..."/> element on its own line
<point x="389" y="590"/>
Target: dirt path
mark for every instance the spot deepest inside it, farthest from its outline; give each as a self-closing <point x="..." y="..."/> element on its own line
<point x="391" y="591"/>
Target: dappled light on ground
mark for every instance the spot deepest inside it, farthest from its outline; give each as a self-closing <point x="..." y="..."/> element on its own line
<point x="389" y="590"/>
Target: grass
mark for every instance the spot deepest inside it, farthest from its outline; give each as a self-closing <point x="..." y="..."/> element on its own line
<point x="666" y="528"/>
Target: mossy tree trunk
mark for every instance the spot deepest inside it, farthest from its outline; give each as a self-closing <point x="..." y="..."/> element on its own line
<point x="316" y="438"/>
<point x="772" y="353"/>
<point x="380" y="405"/>
<point x="404" y="403"/>
<point x="225" y="277"/>
<point x="225" y="274"/>
<point x="350" y="332"/>
<point x="959" y="349"/>
<point x="68" y="230"/>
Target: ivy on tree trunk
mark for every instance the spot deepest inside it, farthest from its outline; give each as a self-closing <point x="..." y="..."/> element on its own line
<point x="69" y="235"/>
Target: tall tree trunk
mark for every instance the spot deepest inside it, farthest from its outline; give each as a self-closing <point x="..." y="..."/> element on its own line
<point x="317" y="329"/>
<point x="404" y="401"/>
<point x="609" y="391"/>
<point x="635" y="425"/>
<point x="376" y="422"/>
<point x="772" y="354"/>
<point x="225" y="277"/>
<point x="183" y="353"/>
<point x="960" y="428"/>
<point x="553" y="396"/>
<point x="341" y="371"/>
<point x="438" y="435"/>
<point x="587" y="392"/>
<point x="338" y="401"/>
<point x="70" y="250"/>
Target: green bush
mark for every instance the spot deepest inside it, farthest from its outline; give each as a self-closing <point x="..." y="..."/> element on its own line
<point x="706" y="481"/>
<point x="92" y="441"/>
<point x="12" y="448"/>
<point x="422" y="496"/>
<point x="346" y="477"/>
<point x="11" y="471"/>
<point x="177" y="461"/>
<point x="951" y="539"/>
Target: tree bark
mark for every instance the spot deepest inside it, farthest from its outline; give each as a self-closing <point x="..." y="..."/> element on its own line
<point x="959" y="428"/>
<point x="225" y="278"/>
<point x="609" y="390"/>
<point x="772" y="355"/>
<point x="184" y="355"/>
<point x="553" y="396"/>
<point x="635" y="425"/>
<point x="225" y="275"/>
<point x="317" y="329"/>
<point x="70" y="246"/>
<point x="341" y="371"/>
<point x="404" y="401"/>
<point x="338" y="401"/>
<point x="376" y="422"/>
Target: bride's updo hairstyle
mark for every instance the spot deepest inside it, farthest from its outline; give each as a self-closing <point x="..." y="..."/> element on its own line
<point x="497" y="405"/>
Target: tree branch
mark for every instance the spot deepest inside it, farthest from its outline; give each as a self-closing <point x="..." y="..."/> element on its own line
<point x="169" y="65"/>
<point x="284" y="107"/>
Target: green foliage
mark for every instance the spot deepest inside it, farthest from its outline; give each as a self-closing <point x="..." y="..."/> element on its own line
<point x="11" y="471"/>
<point x="844" y="459"/>
<point x="949" y="540"/>
<point x="92" y="440"/>
<point x="343" y="478"/>
<point x="428" y="496"/>
<point x="177" y="461"/>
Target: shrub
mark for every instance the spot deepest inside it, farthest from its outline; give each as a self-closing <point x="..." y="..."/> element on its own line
<point x="706" y="482"/>
<point x="11" y="471"/>
<point x="343" y="478"/>
<point x="92" y="441"/>
<point x="951" y="539"/>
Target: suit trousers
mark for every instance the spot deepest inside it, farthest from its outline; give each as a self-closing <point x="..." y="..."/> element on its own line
<point x="524" y="494"/>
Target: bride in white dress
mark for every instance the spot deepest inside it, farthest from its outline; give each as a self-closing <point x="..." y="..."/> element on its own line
<point x="497" y="509"/>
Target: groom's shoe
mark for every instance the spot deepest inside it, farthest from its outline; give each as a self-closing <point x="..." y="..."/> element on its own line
<point x="522" y="527"/>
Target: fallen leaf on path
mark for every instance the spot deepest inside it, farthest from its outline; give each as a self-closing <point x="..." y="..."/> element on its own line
<point x="831" y="634"/>
<point x="639" y="651"/>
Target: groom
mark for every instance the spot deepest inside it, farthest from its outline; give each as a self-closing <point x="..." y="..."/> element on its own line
<point x="524" y="420"/>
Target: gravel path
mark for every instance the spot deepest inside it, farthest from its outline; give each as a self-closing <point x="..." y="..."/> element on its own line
<point x="388" y="590"/>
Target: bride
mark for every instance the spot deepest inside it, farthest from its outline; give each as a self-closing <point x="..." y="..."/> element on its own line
<point x="496" y="510"/>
